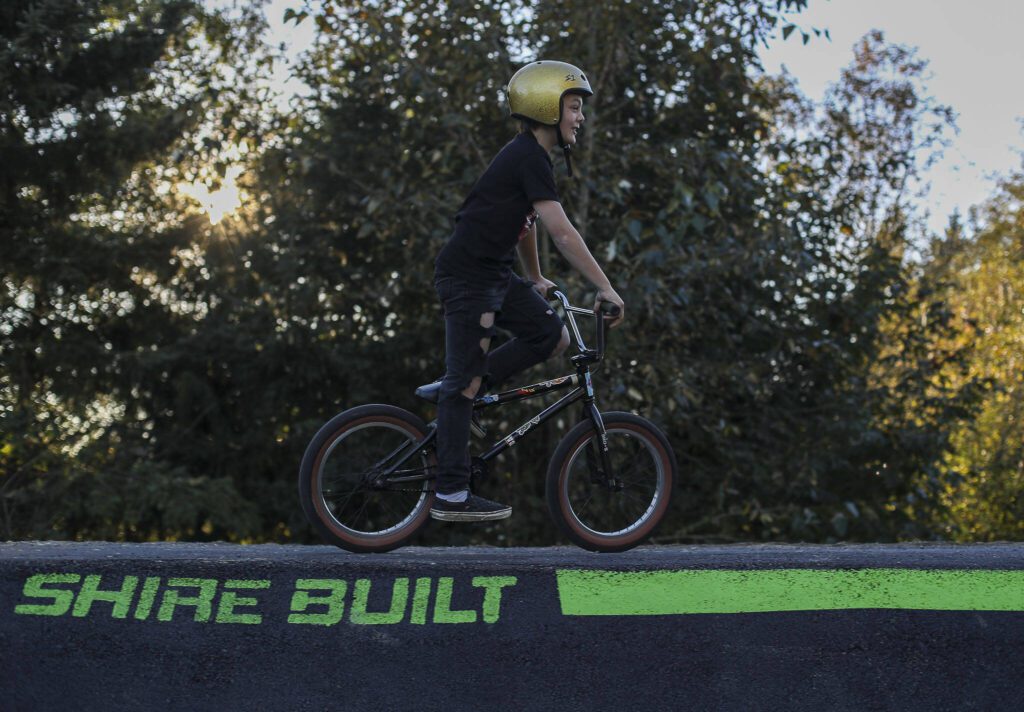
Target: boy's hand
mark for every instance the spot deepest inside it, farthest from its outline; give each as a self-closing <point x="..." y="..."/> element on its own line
<point x="610" y="295"/>
<point x="542" y="285"/>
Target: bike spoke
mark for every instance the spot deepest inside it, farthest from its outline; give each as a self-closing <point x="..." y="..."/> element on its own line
<point x="634" y="464"/>
<point x="348" y="499"/>
<point x="362" y="509"/>
<point x="585" y="505"/>
<point x="388" y="503"/>
<point x="637" y="486"/>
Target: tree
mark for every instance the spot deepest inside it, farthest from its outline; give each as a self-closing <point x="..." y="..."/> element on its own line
<point x="981" y="271"/>
<point x="872" y="414"/>
<point x="106" y="106"/>
<point x="747" y="291"/>
<point x="774" y="327"/>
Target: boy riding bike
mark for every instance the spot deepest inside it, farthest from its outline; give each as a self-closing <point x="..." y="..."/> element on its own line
<point x="474" y="279"/>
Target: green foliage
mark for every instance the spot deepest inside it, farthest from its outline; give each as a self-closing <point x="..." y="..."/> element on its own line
<point x="872" y="337"/>
<point x="107" y="105"/>
<point x="161" y="378"/>
<point x="983" y="278"/>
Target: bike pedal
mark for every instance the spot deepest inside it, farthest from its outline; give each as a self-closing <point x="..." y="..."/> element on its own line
<point x="477" y="429"/>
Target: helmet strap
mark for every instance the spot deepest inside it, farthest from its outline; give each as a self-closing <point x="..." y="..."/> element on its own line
<point x="566" y="149"/>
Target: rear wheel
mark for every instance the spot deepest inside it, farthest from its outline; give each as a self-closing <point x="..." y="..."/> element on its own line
<point x="339" y="484"/>
<point x="613" y="511"/>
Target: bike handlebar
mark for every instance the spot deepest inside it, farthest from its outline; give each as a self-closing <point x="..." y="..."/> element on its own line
<point x="605" y="310"/>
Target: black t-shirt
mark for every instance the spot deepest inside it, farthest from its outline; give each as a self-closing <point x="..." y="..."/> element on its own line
<point x="498" y="213"/>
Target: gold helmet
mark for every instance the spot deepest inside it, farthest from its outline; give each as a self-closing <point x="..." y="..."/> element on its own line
<point x="535" y="92"/>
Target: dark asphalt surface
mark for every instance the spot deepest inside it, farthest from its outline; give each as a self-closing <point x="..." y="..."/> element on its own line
<point x="530" y="657"/>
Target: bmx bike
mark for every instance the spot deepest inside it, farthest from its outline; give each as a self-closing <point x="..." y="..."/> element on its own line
<point x="366" y="482"/>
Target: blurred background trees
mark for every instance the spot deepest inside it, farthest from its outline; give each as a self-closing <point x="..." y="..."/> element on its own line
<point x="107" y="106"/>
<point x="980" y="268"/>
<point x="823" y="369"/>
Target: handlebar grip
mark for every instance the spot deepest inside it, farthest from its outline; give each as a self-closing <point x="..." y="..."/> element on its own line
<point x="550" y="296"/>
<point x="604" y="310"/>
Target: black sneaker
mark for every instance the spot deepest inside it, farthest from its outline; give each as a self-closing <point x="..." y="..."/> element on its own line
<point x="474" y="509"/>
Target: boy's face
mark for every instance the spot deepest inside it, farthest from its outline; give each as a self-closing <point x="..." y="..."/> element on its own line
<point x="572" y="117"/>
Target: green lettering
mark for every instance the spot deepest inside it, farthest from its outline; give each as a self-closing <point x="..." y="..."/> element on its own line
<point x="493" y="586"/>
<point x="203" y="602"/>
<point x="121" y="598"/>
<point x="34" y="589"/>
<point x="334" y="600"/>
<point x="395" y="614"/>
<point x="229" y="600"/>
<point x="443" y="612"/>
<point x="420" y="599"/>
<point x="146" y="597"/>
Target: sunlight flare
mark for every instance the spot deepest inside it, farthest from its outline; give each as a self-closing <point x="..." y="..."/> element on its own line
<point x="221" y="202"/>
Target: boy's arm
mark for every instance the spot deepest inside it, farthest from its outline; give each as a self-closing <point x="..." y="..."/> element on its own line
<point x="527" y="248"/>
<point x="569" y="242"/>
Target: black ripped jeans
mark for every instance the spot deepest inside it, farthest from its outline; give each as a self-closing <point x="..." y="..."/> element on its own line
<point x="516" y="307"/>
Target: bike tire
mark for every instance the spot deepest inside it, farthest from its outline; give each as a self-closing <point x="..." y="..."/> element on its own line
<point x="340" y="506"/>
<point x="590" y="513"/>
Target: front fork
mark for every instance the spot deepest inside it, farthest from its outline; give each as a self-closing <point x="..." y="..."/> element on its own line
<point x="598" y="459"/>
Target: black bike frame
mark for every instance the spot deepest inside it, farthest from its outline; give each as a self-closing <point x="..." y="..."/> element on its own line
<point x="582" y="389"/>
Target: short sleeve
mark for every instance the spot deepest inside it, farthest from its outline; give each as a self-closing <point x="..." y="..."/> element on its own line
<point x="539" y="179"/>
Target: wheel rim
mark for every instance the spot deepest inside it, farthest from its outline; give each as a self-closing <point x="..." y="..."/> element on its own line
<point x="342" y="495"/>
<point x="601" y="513"/>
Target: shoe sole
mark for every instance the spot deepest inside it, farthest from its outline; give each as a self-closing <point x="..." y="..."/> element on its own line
<point x="470" y="516"/>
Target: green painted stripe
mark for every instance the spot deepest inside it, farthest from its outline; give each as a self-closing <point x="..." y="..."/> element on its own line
<point x="660" y="593"/>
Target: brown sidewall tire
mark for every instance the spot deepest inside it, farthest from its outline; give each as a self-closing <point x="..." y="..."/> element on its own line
<point x="310" y="472"/>
<point x="573" y="441"/>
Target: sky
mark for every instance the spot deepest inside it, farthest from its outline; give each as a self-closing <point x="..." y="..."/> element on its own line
<point x="975" y="54"/>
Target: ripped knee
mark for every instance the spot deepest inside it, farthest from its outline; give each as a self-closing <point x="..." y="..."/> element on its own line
<point x="470" y="391"/>
<point x="487" y="325"/>
<point x="469" y="339"/>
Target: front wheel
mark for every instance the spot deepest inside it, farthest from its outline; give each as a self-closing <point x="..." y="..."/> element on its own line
<point x="340" y="484"/>
<point x="611" y="511"/>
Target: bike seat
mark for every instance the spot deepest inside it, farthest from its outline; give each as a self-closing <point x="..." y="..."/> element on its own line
<point x="429" y="391"/>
